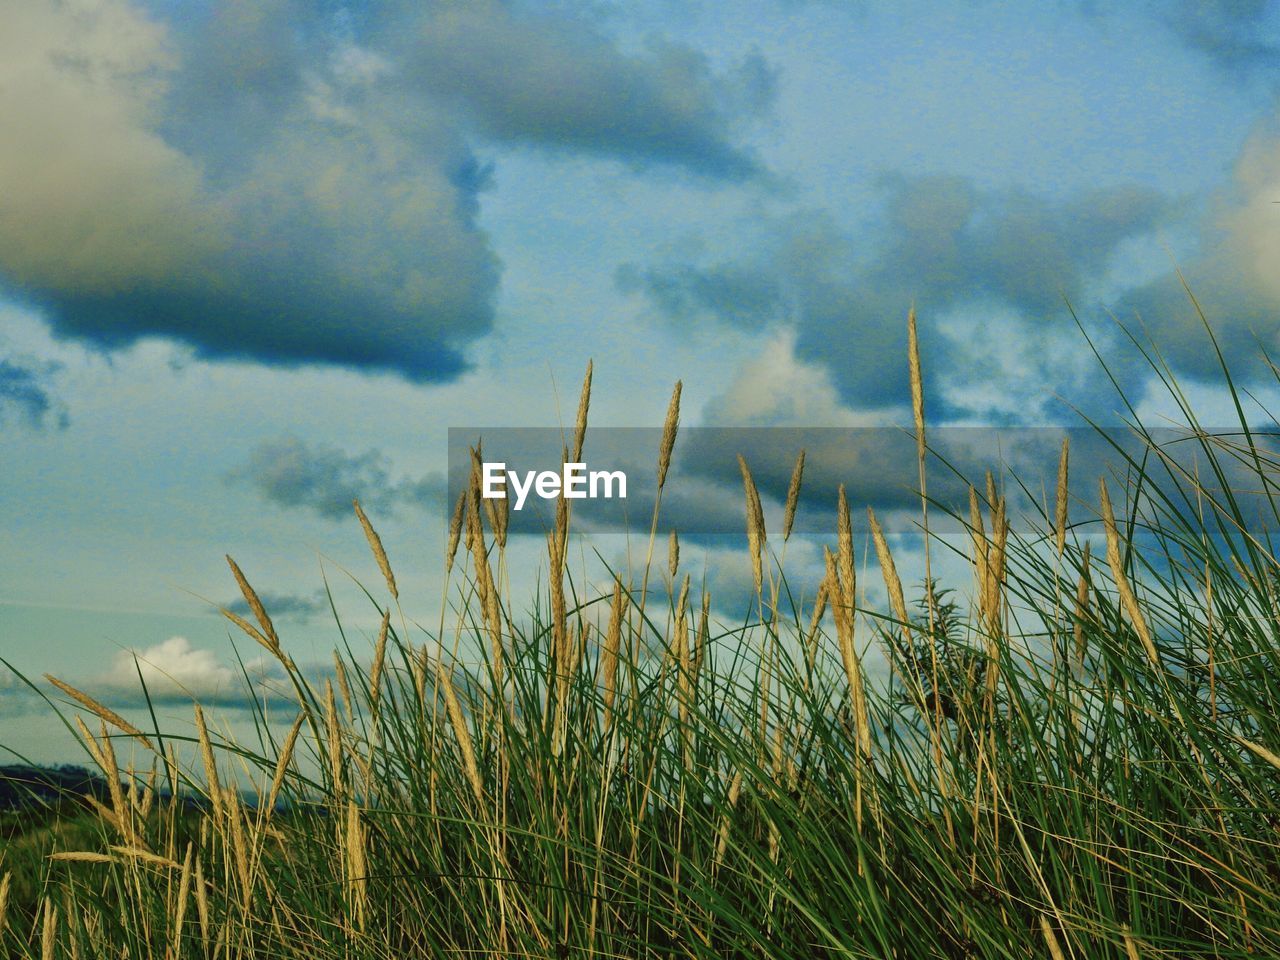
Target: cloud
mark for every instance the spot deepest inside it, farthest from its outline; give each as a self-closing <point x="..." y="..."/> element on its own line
<point x="24" y="392"/>
<point x="174" y="672"/>
<point x="284" y="605"/>
<point x="1233" y="279"/>
<point x="276" y="182"/>
<point x="1232" y="33"/>
<point x="942" y="243"/>
<point x="562" y="84"/>
<point x="292" y="473"/>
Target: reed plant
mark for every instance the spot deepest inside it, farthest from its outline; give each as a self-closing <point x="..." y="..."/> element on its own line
<point x="1078" y="754"/>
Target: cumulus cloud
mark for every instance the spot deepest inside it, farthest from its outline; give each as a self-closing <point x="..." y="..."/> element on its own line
<point x="1234" y="279"/>
<point x="293" y="473"/>
<point x="174" y="672"/>
<point x="943" y="243"/>
<point x="24" y="392"/>
<point x="276" y="182"/>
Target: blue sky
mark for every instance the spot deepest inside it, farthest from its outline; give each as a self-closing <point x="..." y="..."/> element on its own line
<point x="258" y="257"/>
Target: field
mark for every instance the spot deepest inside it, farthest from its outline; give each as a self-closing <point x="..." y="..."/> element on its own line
<point x="1076" y="756"/>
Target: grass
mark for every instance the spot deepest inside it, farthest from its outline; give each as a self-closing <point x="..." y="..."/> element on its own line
<point x="1078" y="761"/>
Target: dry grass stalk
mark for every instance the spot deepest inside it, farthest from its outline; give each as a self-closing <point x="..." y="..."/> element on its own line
<point x="815" y="620"/>
<point x="146" y="856"/>
<point x="202" y="900"/>
<point x="917" y="381"/>
<point x="1127" y="598"/>
<point x="334" y="738"/>
<point x="1051" y="939"/>
<point x="357" y="868"/>
<point x="270" y="640"/>
<point x="81" y="856"/>
<point x="892" y="584"/>
<point x="793" y="498"/>
<point x="683" y="657"/>
<point x="612" y="644"/>
<point x="101" y="711"/>
<point x="1060" y="500"/>
<point x="379" y="661"/>
<point x="486" y="589"/>
<point x="722" y="841"/>
<point x="844" y="545"/>
<point x="5" y="882"/>
<point x="455" y="532"/>
<point x="1130" y="946"/>
<point x="282" y="763"/>
<point x="179" y="910"/>
<point x="843" y="611"/>
<point x="48" y="930"/>
<point x="704" y="635"/>
<point x="580" y="427"/>
<point x="755" y="525"/>
<point x="379" y="554"/>
<point x="673" y="554"/>
<point x="344" y="686"/>
<point x="669" y="435"/>
<point x="250" y="630"/>
<point x="461" y="734"/>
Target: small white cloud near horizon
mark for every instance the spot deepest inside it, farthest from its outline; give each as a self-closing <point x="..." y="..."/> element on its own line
<point x="171" y="668"/>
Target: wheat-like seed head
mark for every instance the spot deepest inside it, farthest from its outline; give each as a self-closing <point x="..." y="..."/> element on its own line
<point x="282" y="762"/>
<point x="917" y="381"/>
<point x="669" y="435"/>
<point x="755" y="524"/>
<point x="455" y="532"/>
<point x="461" y="734"/>
<point x="844" y="529"/>
<point x="1127" y="598"/>
<point x="5" y="883"/>
<point x="612" y="644"/>
<point x="580" y="428"/>
<point x="379" y="661"/>
<point x="102" y="712"/>
<point x="793" y="497"/>
<point x="268" y="637"/>
<point x="673" y="554"/>
<point x="379" y="554"/>
<point x="48" y="930"/>
<point x="892" y="584"/>
<point x="210" y="766"/>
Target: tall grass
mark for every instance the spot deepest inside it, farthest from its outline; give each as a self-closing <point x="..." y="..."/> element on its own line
<point x="1080" y="761"/>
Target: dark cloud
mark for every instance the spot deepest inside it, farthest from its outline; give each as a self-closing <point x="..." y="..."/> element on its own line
<point x="284" y="605"/>
<point x="1230" y="32"/>
<point x="292" y="473"/>
<point x="24" y="393"/>
<point x="563" y="84"/>
<point x="942" y="243"/>
<point x="281" y="182"/>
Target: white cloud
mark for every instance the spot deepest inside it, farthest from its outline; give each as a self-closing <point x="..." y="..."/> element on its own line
<point x="172" y="669"/>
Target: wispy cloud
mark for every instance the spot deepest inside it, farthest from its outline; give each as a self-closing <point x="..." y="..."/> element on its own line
<point x="24" y="392"/>
<point x="293" y="473"/>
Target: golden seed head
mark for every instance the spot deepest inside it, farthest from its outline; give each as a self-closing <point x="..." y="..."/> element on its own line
<point x="793" y="497"/>
<point x="669" y="435"/>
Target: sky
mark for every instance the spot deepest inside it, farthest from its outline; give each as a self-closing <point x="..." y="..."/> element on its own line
<point x="257" y="258"/>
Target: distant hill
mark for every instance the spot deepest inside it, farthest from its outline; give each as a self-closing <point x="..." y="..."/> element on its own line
<point x="23" y="787"/>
